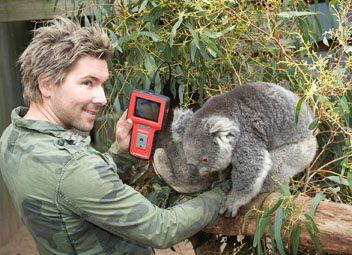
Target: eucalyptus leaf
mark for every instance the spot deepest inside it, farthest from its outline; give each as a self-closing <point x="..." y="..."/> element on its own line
<point x="175" y="27"/>
<point x="149" y="64"/>
<point x="194" y="34"/>
<point x="245" y="220"/>
<point x="316" y="5"/>
<point x="214" y="35"/>
<point x="315" y="202"/>
<point x="203" y="52"/>
<point x="142" y="6"/>
<point x="260" y="228"/>
<point x="193" y="50"/>
<point x="298" y="109"/>
<point x="323" y="100"/>
<point x="173" y="87"/>
<point x="273" y="209"/>
<point x="344" y="104"/>
<point x="293" y="14"/>
<point x="279" y="217"/>
<point x="155" y="37"/>
<point x="294" y="238"/>
<point x="180" y="93"/>
<point x="334" y="190"/>
<point x="318" y="24"/>
<point x="212" y="46"/>
<point x="127" y="38"/>
<point x="349" y="178"/>
<point x="314" y="124"/>
<point x="339" y="180"/>
<point x="312" y="230"/>
<point x="158" y="84"/>
<point x="115" y="41"/>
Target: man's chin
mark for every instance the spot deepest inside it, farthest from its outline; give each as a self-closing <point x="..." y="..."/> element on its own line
<point x="85" y="128"/>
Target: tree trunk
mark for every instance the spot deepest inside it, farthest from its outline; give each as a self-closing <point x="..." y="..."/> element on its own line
<point x="334" y="222"/>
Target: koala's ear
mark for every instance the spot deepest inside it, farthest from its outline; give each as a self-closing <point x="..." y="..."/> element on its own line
<point x="226" y="130"/>
<point x="180" y="122"/>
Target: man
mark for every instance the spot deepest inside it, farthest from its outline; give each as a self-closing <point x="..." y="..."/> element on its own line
<point x="69" y="195"/>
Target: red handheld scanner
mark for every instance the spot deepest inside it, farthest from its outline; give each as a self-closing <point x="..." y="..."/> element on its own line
<point x="148" y="111"/>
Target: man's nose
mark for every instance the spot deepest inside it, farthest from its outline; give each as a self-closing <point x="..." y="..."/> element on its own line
<point x="99" y="96"/>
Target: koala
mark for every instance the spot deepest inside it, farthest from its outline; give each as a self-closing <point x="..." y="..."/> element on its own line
<point x="169" y="164"/>
<point x="251" y="129"/>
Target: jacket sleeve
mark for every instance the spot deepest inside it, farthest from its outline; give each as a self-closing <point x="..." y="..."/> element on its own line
<point x="123" y="160"/>
<point x="91" y="188"/>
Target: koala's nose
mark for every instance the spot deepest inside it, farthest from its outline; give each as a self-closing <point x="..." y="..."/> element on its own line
<point x="193" y="170"/>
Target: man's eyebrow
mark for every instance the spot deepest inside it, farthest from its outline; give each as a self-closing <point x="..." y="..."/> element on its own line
<point x="93" y="78"/>
<point x="90" y="77"/>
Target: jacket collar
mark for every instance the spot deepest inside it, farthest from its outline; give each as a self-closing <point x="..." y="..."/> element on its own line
<point x="45" y="126"/>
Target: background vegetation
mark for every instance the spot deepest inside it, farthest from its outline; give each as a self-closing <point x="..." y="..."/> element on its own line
<point x="215" y="45"/>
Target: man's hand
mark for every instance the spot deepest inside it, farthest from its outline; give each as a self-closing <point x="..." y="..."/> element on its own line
<point x="123" y="132"/>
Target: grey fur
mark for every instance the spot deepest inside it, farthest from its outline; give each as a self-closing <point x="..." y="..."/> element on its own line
<point x="253" y="129"/>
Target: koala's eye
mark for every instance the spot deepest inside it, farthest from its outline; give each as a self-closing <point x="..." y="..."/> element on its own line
<point x="204" y="159"/>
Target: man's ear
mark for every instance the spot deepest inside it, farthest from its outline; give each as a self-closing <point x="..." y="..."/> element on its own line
<point x="179" y="123"/>
<point x="226" y="130"/>
<point x="44" y="86"/>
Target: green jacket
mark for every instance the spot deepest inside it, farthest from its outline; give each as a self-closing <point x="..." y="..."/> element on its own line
<point x="73" y="201"/>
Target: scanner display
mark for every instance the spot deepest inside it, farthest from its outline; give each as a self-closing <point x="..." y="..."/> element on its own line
<point x="147" y="109"/>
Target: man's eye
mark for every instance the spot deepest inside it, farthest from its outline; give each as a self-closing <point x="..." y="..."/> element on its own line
<point x="87" y="83"/>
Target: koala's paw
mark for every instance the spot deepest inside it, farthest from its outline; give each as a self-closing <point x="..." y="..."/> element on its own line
<point x="229" y="209"/>
<point x="162" y="166"/>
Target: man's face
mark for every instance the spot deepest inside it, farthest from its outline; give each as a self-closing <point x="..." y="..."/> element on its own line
<point x="76" y="102"/>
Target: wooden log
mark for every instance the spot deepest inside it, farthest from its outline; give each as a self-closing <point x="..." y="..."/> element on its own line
<point x="334" y="222"/>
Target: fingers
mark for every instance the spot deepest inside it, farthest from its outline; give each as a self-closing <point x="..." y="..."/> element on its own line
<point x="123" y="130"/>
<point x="124" y="124"/>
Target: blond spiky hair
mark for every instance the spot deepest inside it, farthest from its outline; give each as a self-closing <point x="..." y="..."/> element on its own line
<point x="55" y="49"/>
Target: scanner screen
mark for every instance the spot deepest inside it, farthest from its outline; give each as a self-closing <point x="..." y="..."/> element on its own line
<point x="147" y="109"/>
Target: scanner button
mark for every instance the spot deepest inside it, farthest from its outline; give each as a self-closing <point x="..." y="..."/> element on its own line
<point x="141" y="141"/>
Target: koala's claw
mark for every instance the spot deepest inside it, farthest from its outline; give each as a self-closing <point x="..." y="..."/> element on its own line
<point x="229" y="210"/>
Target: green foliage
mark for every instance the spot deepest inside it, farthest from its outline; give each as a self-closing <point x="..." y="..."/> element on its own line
<point x="212" y="45"/>
<point x="215" y="45"/>
<point x="284" y="218"/>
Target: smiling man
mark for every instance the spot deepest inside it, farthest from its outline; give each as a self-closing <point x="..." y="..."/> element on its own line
<point x="69" y="195"/>
<point x="76" y="102"/>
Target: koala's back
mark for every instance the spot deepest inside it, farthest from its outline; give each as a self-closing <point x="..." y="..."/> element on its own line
<point x="264" y="110"/>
